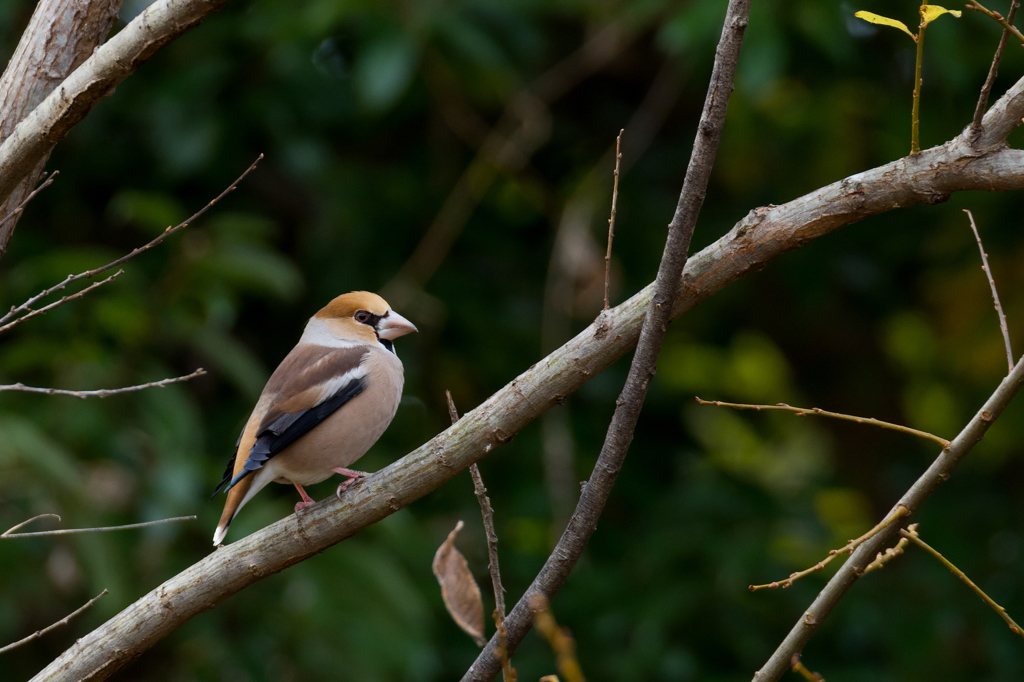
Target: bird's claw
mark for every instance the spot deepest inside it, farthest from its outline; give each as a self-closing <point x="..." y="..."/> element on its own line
<point x="353" y="477"/>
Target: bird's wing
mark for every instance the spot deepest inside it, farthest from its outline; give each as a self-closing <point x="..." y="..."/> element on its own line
<point x="309" y="386"/>
<point x="229" y="470"/>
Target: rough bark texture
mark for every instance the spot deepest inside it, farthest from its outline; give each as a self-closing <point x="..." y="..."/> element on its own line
<point x="598" y="488"/>
<point x="60" y="36"/>
<point x="32" y="139"/>
<point x="764" y="234"/>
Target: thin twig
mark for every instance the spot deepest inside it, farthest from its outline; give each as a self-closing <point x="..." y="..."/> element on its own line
<point x="89" y="274"/>
<point x="62" y="621"/>
<point x="802" y="669"/>
<point x="911" y="534"/>
<point x="487" y="512"/>
<point x="993" y="71"/>
<point x="598" y="489"/>
<point x="25" y="523"/>
<point x="611" y="219"/>
<point x="995" y="294"/>
<point x="978" y="7"/>
<point x="849" y="548"/>
<point x="559" y="639"/>
<point x="808" y="411"/>
<point x="102" y="529"/>
<point x="925" y="485"/>
<point x="915" y="122"/>
<point x="21" y="207"/>
<point x="101" y="392"/>
<point x="882" y="558"/>
<point x="47" y="308"/>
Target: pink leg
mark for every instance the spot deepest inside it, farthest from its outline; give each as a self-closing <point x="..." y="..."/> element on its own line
<point x="306" y="499"/>
<point x="353" y="476"/>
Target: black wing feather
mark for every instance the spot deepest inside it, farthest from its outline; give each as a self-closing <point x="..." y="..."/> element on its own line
<point x="230" y="467"/>
<point x="290" y="427"/>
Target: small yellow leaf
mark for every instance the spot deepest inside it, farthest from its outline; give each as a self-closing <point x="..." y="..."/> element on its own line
<point x="885" y="21"/>
<point x="458" y="588"/>
<point x="932" y="12"/>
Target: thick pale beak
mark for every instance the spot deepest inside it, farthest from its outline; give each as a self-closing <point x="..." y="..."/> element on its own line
<point x="394" y="325"/>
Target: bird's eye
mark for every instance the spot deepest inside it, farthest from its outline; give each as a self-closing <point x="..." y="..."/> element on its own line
<point x="362" y="316"/>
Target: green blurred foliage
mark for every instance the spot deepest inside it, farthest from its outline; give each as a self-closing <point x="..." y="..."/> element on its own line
<point x="888" y="318"/>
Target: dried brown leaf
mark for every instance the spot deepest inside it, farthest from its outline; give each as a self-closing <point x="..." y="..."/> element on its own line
<point x="459" y="590"/>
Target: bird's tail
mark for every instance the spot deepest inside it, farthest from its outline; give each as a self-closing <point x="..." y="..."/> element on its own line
<point x="237" y="497"/>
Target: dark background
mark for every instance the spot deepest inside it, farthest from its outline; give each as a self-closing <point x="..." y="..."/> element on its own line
<point x="369" y="113"/>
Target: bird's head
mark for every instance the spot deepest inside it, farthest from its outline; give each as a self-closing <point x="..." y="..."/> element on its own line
<point x="364" y="316"/>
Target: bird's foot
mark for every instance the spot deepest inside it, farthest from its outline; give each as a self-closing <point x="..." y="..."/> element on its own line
<point x="353" y="476"/>
<point x="307" y="501"/>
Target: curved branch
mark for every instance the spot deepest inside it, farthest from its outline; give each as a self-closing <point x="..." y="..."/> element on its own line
<point x="34" y="137"/>
<point x="763" y="235"/>
<point x="60" y="35"/>
<point x="101" y="392"/>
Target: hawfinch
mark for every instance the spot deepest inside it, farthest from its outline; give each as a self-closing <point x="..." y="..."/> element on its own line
<point x="327" y="402"/>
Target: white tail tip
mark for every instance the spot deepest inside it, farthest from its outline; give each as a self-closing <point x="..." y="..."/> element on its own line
<point x="218" y="536"/>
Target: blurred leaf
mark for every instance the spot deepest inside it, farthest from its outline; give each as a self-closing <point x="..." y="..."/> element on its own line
<point x="384" y="70"/>
<point x="846" y="512"/>
<point x="459" y="590"/>
<point x="26" y="444"/>
<point x="152" y="211"/>
<point x="910" y="341"/>
<point x="233" y="359"/>
<point x="255" y="269"/>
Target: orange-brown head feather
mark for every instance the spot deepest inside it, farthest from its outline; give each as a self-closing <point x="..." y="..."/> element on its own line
<point x="349" y="304"/>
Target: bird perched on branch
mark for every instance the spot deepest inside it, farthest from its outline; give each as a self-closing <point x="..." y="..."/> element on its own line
<point x="327" y="402"/>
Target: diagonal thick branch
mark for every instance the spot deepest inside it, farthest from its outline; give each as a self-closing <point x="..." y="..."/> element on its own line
<point x="763" y="235"/>
<point x="69" y="102"/>
<point x="641" y="370"/>
<point x="60" y="36"/>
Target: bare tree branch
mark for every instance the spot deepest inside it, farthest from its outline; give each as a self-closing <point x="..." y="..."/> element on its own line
<point x="25" y="523"/>
<point x="101" y="392"/>
<point x="60" y="36"/>
<point x="848" y="573"/>
<point x="659" y="311"/>
<point x="763" y="235"/>
<point x="33" y="138"/>
<point x="804" y="671"/>
<point x="995" y="294"/>
<point x="13" y="215"/>
<point x="487" y="512"/>
<point x="26" y="307"/>
<point x="804" y="411"/>
<point x="993" y="71"/>
<point x="898" y="513"/>
<point x="571" y="274"/>
<point x="30" y="313"/>
<point x="912" y="535"/>
<point x="62" y="621"/>
<point x="611" y="219"/>
<point x="8" y="535"/>
<point x="997" y="17"/>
